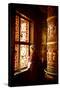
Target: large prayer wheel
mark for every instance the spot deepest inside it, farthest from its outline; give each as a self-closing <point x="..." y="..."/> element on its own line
<point x="52" y="44"/>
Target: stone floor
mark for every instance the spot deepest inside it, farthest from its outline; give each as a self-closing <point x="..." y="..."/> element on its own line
<point x="28" y="78"/>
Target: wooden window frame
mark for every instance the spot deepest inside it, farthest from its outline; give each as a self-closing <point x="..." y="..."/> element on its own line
<point x="22" y="42"/>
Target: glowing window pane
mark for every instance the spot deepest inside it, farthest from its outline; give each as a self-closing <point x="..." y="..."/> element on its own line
<point x="24" y="32"/>
<point x="16" y="56"/>
<point x="24" y="55"/>
<point x="17" y="28"/>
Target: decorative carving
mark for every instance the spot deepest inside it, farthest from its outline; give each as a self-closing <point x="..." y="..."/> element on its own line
<point x="17" y="28"/>
<point x="16" y="56"/>
<point x="51" y="33"/>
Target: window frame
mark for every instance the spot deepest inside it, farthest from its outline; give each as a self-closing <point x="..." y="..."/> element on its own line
<point x="22" y="42"/>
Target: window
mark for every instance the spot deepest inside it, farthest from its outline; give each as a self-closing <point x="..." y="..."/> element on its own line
<point x="23" y="42"/>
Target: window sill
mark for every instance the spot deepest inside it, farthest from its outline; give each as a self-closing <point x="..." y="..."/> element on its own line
<point x="21" y="71"/>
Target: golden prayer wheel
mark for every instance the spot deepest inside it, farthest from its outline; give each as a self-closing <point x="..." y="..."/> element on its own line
<point x="52" y="48"/>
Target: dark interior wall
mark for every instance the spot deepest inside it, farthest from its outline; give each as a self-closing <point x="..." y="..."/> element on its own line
<point x="42" y="36"/>
<point x="52" y="11"/>
<point x="43" y="43"/>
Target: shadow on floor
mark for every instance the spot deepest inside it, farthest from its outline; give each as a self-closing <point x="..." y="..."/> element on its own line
<point x="26" y="79"/>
